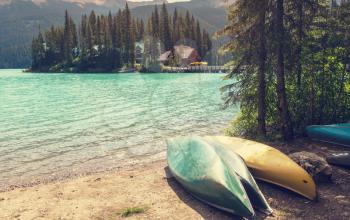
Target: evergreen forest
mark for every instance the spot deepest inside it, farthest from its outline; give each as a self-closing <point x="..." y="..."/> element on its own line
<point x="107" y="43"/>
<point x="291" y="65"/>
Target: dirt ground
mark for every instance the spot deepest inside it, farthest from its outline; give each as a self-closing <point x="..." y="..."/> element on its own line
<point x="106" y="195"/>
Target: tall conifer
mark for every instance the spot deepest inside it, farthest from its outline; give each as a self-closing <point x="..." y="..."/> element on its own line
<point x="165" y="34"/>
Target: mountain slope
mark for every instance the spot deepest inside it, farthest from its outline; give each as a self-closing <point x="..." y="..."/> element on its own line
<point x="20" y="21"/>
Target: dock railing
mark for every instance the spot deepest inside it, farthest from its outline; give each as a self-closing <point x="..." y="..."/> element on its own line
<point x="197" y="69"/>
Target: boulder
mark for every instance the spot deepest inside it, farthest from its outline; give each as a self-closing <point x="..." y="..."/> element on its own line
<point x="315" y="165"/>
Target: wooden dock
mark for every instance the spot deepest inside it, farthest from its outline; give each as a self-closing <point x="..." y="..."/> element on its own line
<point x="197" y="69"/>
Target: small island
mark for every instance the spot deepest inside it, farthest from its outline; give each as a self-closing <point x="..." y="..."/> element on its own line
<point x="122" y="43"/>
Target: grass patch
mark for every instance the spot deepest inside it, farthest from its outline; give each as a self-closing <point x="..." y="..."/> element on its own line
<point x="132" y="211"/>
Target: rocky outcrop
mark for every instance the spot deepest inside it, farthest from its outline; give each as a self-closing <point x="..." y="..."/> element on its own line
<point x="315" y="165"/>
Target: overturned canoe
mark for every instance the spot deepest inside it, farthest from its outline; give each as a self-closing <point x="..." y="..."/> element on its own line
<point x="270" y="165"/>
<point x="335" y="134"/>
<point x="214" y="175"/>
<point x="234" y="162"/>
<point x="339" y="159"/>
<point x="343" y="124"/>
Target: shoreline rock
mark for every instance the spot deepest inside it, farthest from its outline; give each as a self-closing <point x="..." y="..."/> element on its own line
<point x="315" y="165"/>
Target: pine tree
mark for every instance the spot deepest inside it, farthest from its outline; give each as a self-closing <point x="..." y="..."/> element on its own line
<point x="286" y="126"/>
<point x="199" y="39"/>
<point x="152" y="48"/>
<point x="92" y="24"/>
<point x="141" y="30"/>
<point x="83" y="36"/>
<point x="155" y="23"/>
<point x="247" y="28"/>
<point x="261" y="56"/>
<point x="68" y="39"/>
<point x="165" y="34"/>
<point x="193" y="28"/>
<point x="132" y="45"/>
<point x="207" y="45"/>
<point x="74" y="34"/>
<point x="98" y="35"/>
<point x="127" y="37"/>
<point x="117" y="40"/>
<point x="90" y="40"/>
<point x="175" y="28"/>
<point x="149" y="29"/>
<point x="187" y="27"/>
<point x="180" y="30"/>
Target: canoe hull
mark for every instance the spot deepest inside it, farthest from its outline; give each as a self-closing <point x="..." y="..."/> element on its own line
<point x="340" y="159"/>
<point x="235" y="163"/>
<point x="270" y="165"/>
<point x="215" y="176"/>
<point x="336" y="134"/>
<point x="197" y="167"/>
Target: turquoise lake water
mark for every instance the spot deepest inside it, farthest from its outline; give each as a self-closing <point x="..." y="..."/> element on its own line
<point x="60" y="123"/>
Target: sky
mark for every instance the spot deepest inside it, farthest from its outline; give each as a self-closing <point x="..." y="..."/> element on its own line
<point x="170" y="1"/>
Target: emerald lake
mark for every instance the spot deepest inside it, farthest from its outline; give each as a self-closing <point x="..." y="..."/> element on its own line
<point x="54" y="124"/>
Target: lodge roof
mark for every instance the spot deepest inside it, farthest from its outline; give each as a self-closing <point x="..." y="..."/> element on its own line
<point x="184" y="51"/>
<point x="164" y="57"/>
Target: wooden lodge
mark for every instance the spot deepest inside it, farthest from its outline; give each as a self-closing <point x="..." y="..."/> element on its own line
<point x="185" y="59"/>
<point x="181" y="55"/>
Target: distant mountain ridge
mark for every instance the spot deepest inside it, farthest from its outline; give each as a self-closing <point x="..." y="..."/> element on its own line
<point x="20" y="20"/>
<point x="82" y="3"/>
<point x="121" y="3"/>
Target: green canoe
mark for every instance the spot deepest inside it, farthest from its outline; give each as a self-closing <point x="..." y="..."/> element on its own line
<point x="215" y="176"/>
<point x="335" y="134"/>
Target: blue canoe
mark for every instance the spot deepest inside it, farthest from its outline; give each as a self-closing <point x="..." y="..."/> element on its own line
<point x="336" y="134"/>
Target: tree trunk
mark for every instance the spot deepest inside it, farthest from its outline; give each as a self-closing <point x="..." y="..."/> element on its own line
<point x="261" y="73"/>
<point x="300" y="42"/>
<point x="286" y="127"/>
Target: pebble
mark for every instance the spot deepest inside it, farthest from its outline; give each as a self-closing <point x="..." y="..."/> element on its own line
<point x="97" y="180"/>
<point x="344" y="202"/>
<point x="340" y="197"/>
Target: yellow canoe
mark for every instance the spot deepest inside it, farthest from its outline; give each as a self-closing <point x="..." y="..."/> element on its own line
<point x="271" y="165"/>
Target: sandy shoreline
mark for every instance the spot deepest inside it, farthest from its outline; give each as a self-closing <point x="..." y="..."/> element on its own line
<point x="128" y="163"/>
<point x="104" y="196"/>
<point x="146" y="184"/>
